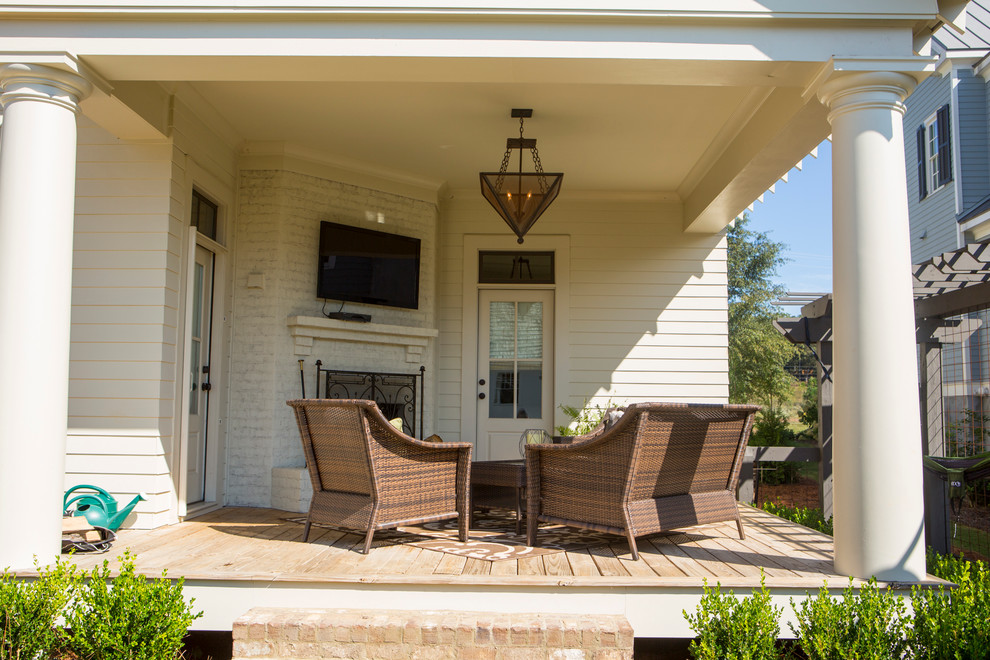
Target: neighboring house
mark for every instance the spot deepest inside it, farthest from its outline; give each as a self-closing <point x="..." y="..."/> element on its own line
<point x="946" y="123"/>
<point x="213" y="139"/>
<point x="948" y="166"/>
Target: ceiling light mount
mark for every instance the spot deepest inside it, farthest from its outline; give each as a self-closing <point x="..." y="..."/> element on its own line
<point x="520" y="198"/>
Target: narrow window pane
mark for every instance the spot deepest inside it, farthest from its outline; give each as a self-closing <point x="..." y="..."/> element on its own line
<point x="501" y="403"/>
<point x="529" y="339"/>
<point x="194" y="378"/>
<point x="204" y="215"/>
<point x="502" y="330"/>
<point x="530" y="390"/>
<point x="515" y="268"/>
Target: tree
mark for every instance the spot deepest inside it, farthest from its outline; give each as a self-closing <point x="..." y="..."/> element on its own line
<point x="757" y="351"/>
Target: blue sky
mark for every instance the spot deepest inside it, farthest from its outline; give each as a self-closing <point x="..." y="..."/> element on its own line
<point x="799" y="215"/>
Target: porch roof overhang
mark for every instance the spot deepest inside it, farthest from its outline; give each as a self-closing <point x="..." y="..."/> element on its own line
<point x="707" y="106"/>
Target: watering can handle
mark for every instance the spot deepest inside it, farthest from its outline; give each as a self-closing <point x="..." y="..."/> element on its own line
<point x="66" y="501"/>
<point x="93" y="502"/>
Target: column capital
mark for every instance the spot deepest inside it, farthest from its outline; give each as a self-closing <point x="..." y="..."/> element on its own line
<point x="866" y="90"/>
<point x="36" y="82"/>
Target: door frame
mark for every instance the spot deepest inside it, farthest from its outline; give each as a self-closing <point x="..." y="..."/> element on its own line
<point x="475" y="244"/>
<point x="216" y="460"/>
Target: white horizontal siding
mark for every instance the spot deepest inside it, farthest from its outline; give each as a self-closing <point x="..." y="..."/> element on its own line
<point x="124" y="322"/>
<point x="647" y="307"/>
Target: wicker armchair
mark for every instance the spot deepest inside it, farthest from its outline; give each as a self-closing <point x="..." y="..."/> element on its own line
<point x="368" y="476"/>
<point x="659" y="467"/>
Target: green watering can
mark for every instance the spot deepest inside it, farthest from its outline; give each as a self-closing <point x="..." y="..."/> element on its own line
<point x="97" y="506"/>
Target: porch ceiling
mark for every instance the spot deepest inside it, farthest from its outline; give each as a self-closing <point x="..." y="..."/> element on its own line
<point x="707" y="107"/>
<point x="605" y="137"/>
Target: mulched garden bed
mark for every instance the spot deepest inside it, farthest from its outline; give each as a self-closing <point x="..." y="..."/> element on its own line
<point x="804" y="494"/>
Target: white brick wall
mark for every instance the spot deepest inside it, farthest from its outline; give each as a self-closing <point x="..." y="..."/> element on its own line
<point x="292" y="489"/>
<point x="278" y="224"/>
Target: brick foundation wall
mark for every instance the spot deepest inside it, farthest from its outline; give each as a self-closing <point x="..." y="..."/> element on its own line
<point x="274" y="633"/>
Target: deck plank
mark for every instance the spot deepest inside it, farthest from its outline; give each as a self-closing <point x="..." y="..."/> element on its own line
<point x="477" y="567"/>
<point x="640" y="567"/>
<point x="659" y="563"/>
<point x="450" y="565"/>
<point x="532" y="566"/>
<point x="505" y="567"/>
<point x="425" y="563"/>
<point x="690" y="566"/>
<point x="556" y="563"/>
<point x="582" y="564"/>
<point x="606" y="561"/>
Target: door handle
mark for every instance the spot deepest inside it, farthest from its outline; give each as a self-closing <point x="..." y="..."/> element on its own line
<point x="206" y="387"/>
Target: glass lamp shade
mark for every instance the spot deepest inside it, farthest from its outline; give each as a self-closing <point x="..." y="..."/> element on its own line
<point x="533" y="437"/>
<point x="519" y="200"/>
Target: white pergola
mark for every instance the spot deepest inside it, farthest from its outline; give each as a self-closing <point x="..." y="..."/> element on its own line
<point x="707" y="103"/>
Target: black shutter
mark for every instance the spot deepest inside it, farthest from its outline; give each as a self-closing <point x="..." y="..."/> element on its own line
<point x="944" y="150"/>
<point x="922" y="169"/>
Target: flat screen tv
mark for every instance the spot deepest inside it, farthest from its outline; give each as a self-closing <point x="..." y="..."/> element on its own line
<point x="366" y="266"/>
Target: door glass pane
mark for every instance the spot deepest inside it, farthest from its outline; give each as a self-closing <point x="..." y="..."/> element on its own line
<point x="194" y="378"/>
<point x="197" y="307"/>
<point x="530" y="330"/>
<point x="502" y="330"/>
<point x="501" y="403"/>
<point x="530" y="390"/>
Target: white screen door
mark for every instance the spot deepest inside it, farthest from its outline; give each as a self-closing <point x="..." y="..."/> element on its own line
<point x="199" y="376"/>
<point x="515" y="369"/>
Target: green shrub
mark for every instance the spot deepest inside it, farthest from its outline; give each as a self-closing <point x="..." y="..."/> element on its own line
<point x="812" y="518"/>
<point x="134" y="619"/>
<point x="872" y="625"/>
<point x="771" y="428"/>
<point x="953" y="624"/>
<point x="30" y="609"/>
<point x="730" y="629"/>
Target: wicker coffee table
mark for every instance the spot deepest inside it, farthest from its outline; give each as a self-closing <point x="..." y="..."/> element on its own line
<point x="499" y="485"/>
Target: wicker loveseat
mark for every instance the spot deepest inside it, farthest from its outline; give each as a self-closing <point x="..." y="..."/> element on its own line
<point x="368" y="476"/>
<point x="661" y="466"/>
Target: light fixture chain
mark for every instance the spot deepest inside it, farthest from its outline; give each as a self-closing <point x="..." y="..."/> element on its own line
<point x="502" y="170"/>
<point x="539" y="170"/>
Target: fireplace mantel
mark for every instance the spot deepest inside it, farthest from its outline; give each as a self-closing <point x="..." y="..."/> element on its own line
<point x="306" y="329"/>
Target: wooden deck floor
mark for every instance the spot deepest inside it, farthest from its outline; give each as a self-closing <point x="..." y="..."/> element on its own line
<point x="236" y="558"/>
<point x="253" y="544"/>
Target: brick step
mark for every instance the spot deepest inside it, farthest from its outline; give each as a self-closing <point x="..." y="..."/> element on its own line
<point x="282" y="633"/>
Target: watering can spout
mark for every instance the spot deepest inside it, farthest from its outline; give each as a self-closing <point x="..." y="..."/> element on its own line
<point x="117" y="520"/>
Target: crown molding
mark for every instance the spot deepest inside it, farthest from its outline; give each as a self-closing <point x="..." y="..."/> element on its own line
<point x="284" y="156"/>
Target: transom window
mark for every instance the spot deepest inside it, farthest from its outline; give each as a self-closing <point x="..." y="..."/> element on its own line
<point x="204" y="215"/>
<point x="515" y="268"/>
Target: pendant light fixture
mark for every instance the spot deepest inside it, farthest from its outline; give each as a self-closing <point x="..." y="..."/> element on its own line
<point x="520" y="197"/>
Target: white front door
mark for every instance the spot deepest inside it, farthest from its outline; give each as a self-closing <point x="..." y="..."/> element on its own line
<point x="199" y="375"/>
<point x="515" y="369"/>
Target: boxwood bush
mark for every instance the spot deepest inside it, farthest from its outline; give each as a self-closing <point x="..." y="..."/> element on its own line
<point x="867" y="622"/>
<point x="127" y="617"/>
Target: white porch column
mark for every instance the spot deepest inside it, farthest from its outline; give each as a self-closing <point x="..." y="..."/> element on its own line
<point x="37" y="199"/>
<point x="878" y="503"/>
